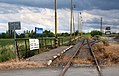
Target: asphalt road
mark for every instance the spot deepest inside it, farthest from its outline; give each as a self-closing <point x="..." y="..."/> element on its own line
<point x="74" y="71"/>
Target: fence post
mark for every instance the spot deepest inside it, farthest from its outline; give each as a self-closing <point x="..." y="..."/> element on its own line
<point x="62" y="41"/>
<point x="45" y="43"/>
<point x="26" y="49"/>
<point x="58" y="41"/>
<point x="17" y="50"/>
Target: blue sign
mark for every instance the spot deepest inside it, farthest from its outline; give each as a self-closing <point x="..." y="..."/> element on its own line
<point x="38" y="30"/>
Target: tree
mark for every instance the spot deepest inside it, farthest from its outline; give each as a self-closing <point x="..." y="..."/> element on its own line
<point x="47" y="33"/>
<point x="22" y="35"/>
<point x="95" y="32"/>
<point x="76" y="33"/>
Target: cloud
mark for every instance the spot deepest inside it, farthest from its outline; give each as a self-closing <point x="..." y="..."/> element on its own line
<point x="31" y="17"/>
<point x="80" y="4"/>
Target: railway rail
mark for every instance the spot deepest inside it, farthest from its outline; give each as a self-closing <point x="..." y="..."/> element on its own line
<point x="95" y="59"/>
<point x="90" y="43"/>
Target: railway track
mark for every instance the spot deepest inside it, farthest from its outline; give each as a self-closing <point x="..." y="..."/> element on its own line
<point x="82" y="44"/>
<point x="95" y="59"/>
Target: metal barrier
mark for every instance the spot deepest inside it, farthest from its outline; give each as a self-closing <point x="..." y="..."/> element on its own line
<point x="46" y="43"/>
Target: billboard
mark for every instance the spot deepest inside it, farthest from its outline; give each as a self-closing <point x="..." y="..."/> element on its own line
<point x="38" y="31"/>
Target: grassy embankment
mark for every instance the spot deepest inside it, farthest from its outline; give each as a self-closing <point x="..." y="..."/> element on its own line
<point x="7" y="48"/>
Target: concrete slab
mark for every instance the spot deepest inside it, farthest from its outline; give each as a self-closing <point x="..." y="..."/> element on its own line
<point x="43" y="58"/>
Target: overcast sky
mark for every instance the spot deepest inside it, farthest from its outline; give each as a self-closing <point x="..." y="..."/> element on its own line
<point x="40" y="13"/>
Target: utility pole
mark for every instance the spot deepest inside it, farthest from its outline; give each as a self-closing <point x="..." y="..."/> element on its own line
<point x="56" y="37"/>
<point x="71" y="22"/>
<point x="73" y="25"/>
<point x="74" y="20"/>
<point x="78" y="24"/>
<point x="101" y="25"/>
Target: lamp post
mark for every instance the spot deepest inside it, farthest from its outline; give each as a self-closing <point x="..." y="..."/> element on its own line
<point x="56" y="37"/>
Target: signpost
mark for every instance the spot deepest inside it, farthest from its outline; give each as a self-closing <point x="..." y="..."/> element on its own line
<point x="34" y="44"/>
<point x="14" y="26"/>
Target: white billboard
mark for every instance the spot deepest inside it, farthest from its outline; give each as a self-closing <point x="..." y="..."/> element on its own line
<point x="34" y="44"/>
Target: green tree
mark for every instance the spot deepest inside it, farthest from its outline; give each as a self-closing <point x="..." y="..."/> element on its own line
<point x="95" y="32"/>
<point x="47" y="33"/>
<point x="22" y="35"/>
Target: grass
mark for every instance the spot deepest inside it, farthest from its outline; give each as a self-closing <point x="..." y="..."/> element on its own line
<point x="6" y="42"/>
<point x="7" y="47"/>
<point x="86" y="34"/>
<point x="13" y="64"/>
<point x="6" y="53"/>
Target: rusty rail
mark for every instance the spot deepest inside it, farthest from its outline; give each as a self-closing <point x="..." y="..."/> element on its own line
<point x="69" y="62"/>
<point x="95" y="59"/>
<point x="77" y="52"/>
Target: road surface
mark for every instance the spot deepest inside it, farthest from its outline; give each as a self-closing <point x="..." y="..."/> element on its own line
<point x="73" y="71"/>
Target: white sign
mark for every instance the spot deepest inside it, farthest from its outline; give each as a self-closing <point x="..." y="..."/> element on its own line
<point x="34" y="44"/>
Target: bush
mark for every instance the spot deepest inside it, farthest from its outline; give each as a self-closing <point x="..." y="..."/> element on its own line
<point x="22" y="52"/>
<point x="6" y="54"/>
<point x="96" y="33"/>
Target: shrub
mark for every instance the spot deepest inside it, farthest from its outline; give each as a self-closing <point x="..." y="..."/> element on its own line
<point x="22" y="52"/>
<point x="6" y="54"/>
<point x="96" y="33"/>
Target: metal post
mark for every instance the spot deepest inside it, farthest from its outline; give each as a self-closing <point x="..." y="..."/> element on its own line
<point x="56" y="37"/>
<point x="71" y="22"/>
<point x="15" y="44"/>
<point x="101" y="25"/>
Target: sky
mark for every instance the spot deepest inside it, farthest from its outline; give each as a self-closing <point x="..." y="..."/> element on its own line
<point x="40" y="13"/>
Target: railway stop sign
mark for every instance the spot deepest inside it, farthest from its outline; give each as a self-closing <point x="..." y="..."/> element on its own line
<point x="14" y="25"/>
<point x="38" y="30"/>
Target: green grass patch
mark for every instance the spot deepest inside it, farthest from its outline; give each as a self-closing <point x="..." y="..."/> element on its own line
<point x="7" y="47"/>
<point x="6" y="42"/>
